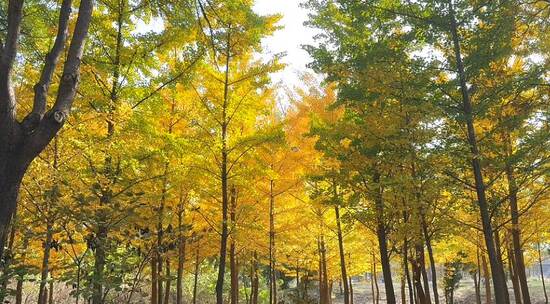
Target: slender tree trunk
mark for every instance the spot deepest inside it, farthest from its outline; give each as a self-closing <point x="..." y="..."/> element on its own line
<point x="45" y="265"/>
<point x="327" y="292"/>
<point x="272" y="271"/>
<point x="50" y="298"/>
<point x="20" y="278"/>
<point x="181" y="256"/>
<point x="424" y="275"/>
<point x="342" y="255"/>
<point x="402" y="287"/>
<point x="477" y="278"/>
<point x="382" y="241"/>
<point x="232" y="250"/>
<point x="372" y="279"/>
<point x="417" y="275"/>
<point x="432" y="260"/>
<point x="487" y="280"/>
<point x="513" y="275"/>
<point x="407" y="273"/>
<point x="350" y="290"/>
<point x="542" y="274"/>
<point x="517" y="250"/>
<point x="476" y="288"/>
<point x="497" y="271"/>
<point x="99" y="265"/>
<point x="255" y="280"/>
<point x="196" y="279"/>
<point x="154" y="279"/>
<point x="375" y="280"/>
<point x="168" y="282"/>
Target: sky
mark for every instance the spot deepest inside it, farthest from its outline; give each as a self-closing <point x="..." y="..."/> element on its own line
<point x="288" y="39"/>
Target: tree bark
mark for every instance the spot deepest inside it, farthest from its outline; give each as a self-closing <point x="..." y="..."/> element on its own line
<point x="45" y="265"/>
<point x="432" y="260"/>
<point x="542" y="274"/>
<point x="154" y="280"/>
<point x="232" y="250"/>
<point x="99" y="264"/>
<point x="517" y="250"/>
<point x="514" y="277"/>
<point x="22" y="142"/>
<point x="486" y="280"/>
<point x="342" y="256"/>
<point x="224" y="179"/>
<point x="168" y="282"/>
<point x="196" y="279"/>
<point x="497" y="272"/>
<point x="382" y="241"/>
<point x="255" y="280"/>
<point x="181" y="255"/>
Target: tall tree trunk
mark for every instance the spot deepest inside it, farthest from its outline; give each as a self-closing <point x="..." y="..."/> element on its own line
<point x="326" y="291"/>
<point x="514" y="277"/>
<point x="181" y="259"/>
<point x="486" y="279"/>
<point x="50" y="298"/>
<point x="350" y="290"/>
<point x="8" y="257"/>
<point x="224" y="178"/>
<point x="232" y="250"/>
<point x="154" y="280"/>
<point x="197" y="269"/>
<point x="99" y="264"/>
<point x="424" y="275"/>
<point x="477" y="278"/>
<point x="517" y="250"/>
<point x="382" y="241"/>
<point x="402" y="287"/>
<point x="342" y="254"/>
<point x="476" y="288"/>
<point x="255" y="284"/>
<point x="407" y="273"/>
<point x="272" y="273"/>
<point x="417" y="275"/>
<point x="373" y="293"/>
<point x="45" y="264"/>
<point x="20" y="277"/>
<point x="497" y="271"/>
<point x="432" y="260"/>
<point x="376" y="297"/>
<point x="168" y="282"/>
<point x="542" y="274"/>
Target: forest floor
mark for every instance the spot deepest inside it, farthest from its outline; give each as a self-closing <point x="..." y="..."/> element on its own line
<point x="464" y="294"/>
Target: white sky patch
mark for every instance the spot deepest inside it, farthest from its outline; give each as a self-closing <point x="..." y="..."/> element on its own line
<point x="289" y="39"/>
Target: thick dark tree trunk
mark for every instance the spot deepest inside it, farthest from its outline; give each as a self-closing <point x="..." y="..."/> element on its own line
<point x="342" y="256"/>
<point x="23" y="141"/>
<point x="497" y="271"/>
